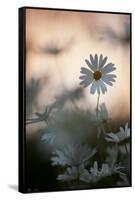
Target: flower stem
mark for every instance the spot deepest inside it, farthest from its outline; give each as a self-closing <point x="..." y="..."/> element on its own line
<point x="97" y="105"/>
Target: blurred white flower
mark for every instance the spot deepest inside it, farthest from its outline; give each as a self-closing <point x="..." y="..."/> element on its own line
<point x="103" y="113"/>
<point x="95" y="174"/>
<point x="72" y="173"/>
<point x="56" y="139"/>
<point x="49" y="138"/>
<point x="60" y="139"/>
<point x="119" y="137"/>
<point x="73" y="155"/>
<point x="98" y="74"/>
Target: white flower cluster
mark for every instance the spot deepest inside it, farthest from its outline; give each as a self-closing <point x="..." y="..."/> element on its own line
<point x="73" y="155"/>
<point x="92" y="176"/>
<point x="119" y="137"/>
<point x="95" y="174"/>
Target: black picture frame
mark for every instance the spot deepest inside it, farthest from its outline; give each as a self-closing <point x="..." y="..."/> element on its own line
<point x="22" y="176"/>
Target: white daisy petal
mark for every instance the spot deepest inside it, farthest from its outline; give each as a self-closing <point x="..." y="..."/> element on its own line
<point x="100" y="60"/>
<point x="86" y="71"/>
<point x="87" y="81"/>
<point x="103" y="87"/>
<point x="128" y="132"/>
<point x="96" y="61"/>
<point x="109" y="83"/>
<point x="91" y="59"/>
<point x="107" y="80"/>
<point x="112" y="137"/>
<point x="90" y="65"/>
<point x="122" y="130"/>
<point x="120" y="136"/>
<point x="108" y="68"/>
<point x="109" y="139"/>
<point x="109" y="77"/>
<point x="93" y="87"/>
<point x="83" y="77"/>
<point x="101" y="64"/>
<point x="126" y="126"/>
<point x="98" y="87"/>
<point x="113" y="80"/>
<point x="86" y="76"/>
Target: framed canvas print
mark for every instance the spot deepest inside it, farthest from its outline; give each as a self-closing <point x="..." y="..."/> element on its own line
<point x="74" y="99"/>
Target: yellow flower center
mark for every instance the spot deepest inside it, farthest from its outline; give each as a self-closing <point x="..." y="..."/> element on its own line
<point x="97" y="75"/>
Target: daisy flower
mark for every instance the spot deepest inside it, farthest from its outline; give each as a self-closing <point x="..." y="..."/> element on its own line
<point x="95" y="173"/>
<point x="119" y="137"/>
<point x="73" y="155"/>
<point x="72" y="173"/>
<point x="98" y="75"/>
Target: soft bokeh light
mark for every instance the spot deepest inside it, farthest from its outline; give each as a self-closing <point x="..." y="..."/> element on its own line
<point x="58" y="43"/>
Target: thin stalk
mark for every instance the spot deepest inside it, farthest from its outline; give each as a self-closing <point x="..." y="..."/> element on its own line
<point x="97" y="107"/>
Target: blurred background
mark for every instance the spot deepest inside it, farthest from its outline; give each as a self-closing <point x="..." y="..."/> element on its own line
<point x="57" y="44"/>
